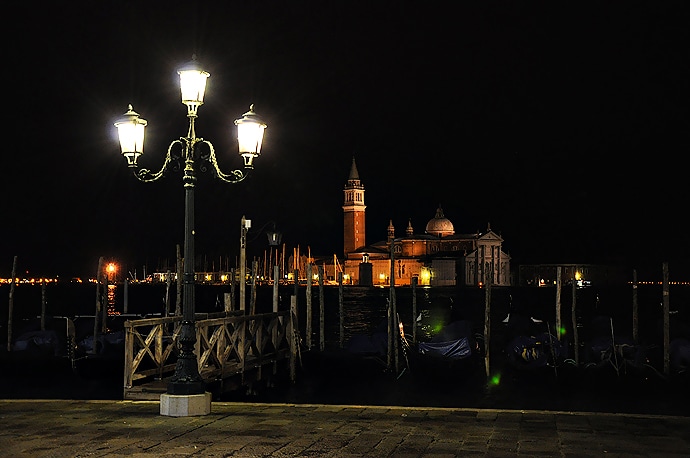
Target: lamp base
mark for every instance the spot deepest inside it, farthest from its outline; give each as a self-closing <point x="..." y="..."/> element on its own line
<point x="186" y="388"/>
<point x="173" y="405"/>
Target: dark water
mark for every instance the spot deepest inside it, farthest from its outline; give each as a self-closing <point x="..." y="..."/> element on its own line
<point x="334" y="376"/>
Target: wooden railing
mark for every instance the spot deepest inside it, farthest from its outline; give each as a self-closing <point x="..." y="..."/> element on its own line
<point x="228" y="344"/>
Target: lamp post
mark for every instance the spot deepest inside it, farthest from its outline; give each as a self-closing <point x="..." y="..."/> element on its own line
<point x="274" y="239"/>
<point x="186" y="154"/>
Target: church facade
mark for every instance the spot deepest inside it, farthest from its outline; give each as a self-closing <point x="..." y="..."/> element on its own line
<point x="438" y="257"/>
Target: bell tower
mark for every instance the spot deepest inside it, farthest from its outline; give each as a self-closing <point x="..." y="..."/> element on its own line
<point x="353" y="209"/>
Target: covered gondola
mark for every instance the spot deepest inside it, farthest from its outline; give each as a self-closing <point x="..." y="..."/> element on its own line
<point x="609" y="348"/>
<point x="454" y="353"/>
<point x="531" y="344"/>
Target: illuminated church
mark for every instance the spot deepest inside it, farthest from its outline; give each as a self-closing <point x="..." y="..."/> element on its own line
<point x="438" y="257"/>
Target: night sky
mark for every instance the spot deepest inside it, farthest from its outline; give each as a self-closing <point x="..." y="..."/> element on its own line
<point x="563" y="125"/>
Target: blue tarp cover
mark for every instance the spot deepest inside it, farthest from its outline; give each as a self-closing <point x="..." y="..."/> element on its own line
<point x="453" y="349"/>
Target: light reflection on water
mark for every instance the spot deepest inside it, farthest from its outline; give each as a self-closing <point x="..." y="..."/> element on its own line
<point x="111" y="307"/>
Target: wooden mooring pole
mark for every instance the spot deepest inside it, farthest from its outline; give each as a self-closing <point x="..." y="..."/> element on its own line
<point x="233" y="287"/>
<point x="389" y="336"/>
<point x="98" y="303"/>
<point x="180" y="274"/>
<point x="322" y="311"/>
<point x="308" y="324"/>
<point x="43" y="305"/>
<point x="228" y="304"/>
<point x="104" y="304"/>
<point x="168" y="284"/>
<point x="341" y="310"/>
<point x="295" y="274"/>
<point x="487" y="328"/>
<point x="294" y="337"/>
<point x="125" y="296"/>
<point x="559" y="284"/>
<point x="414" y="310"/>
<point x="393" y="331"/>
<point x="13" y="282"/>
<point x="635" y="318"/>
<point x="276" y="283"/>
<point x="243" y="263"/>
<point x="252" y="296"/>
<point x="573" y="319"/>
<point x="666" y="306"/>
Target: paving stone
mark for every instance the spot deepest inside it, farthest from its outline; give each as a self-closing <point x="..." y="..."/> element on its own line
<point x="38" y="428"/>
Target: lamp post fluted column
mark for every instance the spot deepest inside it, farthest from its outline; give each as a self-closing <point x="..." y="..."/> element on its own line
<point x="187" y="379"/>
<point x="185" y="153"/>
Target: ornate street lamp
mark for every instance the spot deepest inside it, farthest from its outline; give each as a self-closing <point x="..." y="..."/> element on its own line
<point x="184" y="153"/>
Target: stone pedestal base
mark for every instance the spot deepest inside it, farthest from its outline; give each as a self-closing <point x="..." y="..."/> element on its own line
<point x="174" y="405"/>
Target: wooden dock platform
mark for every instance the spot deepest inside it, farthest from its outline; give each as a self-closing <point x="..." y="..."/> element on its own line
<point x="233" y="350"/>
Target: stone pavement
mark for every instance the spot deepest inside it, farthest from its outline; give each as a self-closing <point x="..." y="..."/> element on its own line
<point x="68" y="428"/>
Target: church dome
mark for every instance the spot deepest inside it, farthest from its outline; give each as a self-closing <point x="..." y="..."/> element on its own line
<point x="439" y="225"/>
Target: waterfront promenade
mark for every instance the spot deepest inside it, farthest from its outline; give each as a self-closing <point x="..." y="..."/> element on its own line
<point x="70" y="428"/>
